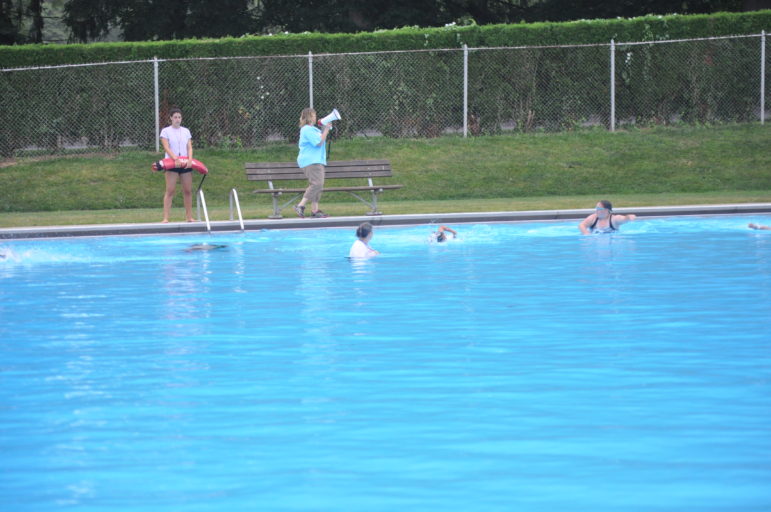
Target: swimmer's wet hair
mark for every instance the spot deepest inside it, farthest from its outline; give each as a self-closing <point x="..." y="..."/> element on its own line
<point x="606" y="204"/>
<point x="363" y="230"/>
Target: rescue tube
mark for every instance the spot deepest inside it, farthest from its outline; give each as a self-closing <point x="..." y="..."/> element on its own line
<point x="167" y="164"/>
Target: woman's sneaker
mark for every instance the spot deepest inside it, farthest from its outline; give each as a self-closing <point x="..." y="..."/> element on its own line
<point x="319" y="215"/>
<point x="300" y="211"/>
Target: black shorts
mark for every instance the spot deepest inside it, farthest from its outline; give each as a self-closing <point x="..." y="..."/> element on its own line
<point x="180" y="170"/>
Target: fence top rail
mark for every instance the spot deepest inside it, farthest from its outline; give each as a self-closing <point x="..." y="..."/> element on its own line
<point x="665" y="41"/>
<point x="83" y="65"/>
<point x="425" y="50"/>
<point x="616" y="43"/>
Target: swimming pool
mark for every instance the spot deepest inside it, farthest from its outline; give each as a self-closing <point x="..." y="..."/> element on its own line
<point x="520" y="367"/>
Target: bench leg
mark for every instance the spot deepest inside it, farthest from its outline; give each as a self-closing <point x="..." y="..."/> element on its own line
<point x="372" y="204"/>
<point x="276" y="208"/>
<point x="374" y="210"/>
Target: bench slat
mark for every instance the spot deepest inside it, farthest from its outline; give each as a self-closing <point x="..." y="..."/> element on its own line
<point x="270" y="165"/>
<point x="278" y="191"/>
<point x="350" y="173"/>
<point x="276" y="175"/>
<point x="331" y="189"/>
<point x="345" y="163"/>
<point x="273" y="176"/>
<point x="274" y="171"/>
<point x="374" y="187"/>
<point x="331" y="163"/>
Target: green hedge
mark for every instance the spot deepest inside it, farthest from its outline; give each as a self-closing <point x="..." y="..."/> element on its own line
<point x="645" y="28"/>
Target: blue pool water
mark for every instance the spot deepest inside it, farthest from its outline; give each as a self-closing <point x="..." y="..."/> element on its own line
<point x="521" y="367"/>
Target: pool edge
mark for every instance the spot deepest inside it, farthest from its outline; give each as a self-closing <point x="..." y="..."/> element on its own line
<point x="380" y="220"/>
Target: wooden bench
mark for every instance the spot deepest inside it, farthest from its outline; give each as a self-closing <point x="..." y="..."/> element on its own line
<point x="279" y="171"/>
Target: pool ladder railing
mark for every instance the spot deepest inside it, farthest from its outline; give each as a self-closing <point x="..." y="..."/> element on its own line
<point x="234" y="199"/>
<point x="201" y="200"/>
<point x="201" y="203"/>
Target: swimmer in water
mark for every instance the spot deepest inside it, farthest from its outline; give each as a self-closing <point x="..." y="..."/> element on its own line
<point x="204" y="247"/>
<point x="360" y="248"/>
<point x="758" y="226"/>
<point x="603" y="220"/>
<point x="440" y="236"/>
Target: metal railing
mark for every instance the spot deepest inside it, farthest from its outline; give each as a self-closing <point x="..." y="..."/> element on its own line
<point x="200" y="204"/>
<point x="233" y="200"/>
<point x="245" y="102"/>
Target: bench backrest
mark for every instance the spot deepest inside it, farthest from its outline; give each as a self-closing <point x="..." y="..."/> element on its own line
<point x="274" y="171"/>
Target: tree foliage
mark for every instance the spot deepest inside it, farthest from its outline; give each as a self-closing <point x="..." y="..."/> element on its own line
<point x="354" y="15"/>
<point x="565" y="10"/>
<point x="348" y="15"/>
<point x="22" y="21"/>
<point x="144" y="20"/>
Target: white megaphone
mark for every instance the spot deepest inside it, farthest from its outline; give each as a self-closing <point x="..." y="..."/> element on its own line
<point x="334" y="116"/>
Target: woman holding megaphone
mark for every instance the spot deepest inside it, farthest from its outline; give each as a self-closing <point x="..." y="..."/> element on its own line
<point x="312" y="159"/>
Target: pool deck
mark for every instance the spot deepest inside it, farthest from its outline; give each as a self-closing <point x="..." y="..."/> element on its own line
<point x="218" y="226"/>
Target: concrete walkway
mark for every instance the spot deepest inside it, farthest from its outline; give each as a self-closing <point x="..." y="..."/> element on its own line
<point x="381" y="220"/>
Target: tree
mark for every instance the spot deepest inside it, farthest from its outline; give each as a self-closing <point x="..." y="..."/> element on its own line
<point x="9" y="22"/>
<point x="220" y="19"/>
<point x="90" y="19"/>
<point x="564" y="10"/>
<point x="354" y="15"/>
<point x="485" y="12"/>
<point x="21" y="21"/>
<point x="35" y="11"/>
<point x="142" y="20"/>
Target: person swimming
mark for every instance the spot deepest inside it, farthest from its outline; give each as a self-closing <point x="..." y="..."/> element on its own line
<point x="440" y="236"/>
<point x="205" y="247"/>
<point x="7" y="254"/>
<point x="603" y="220"/>
<point x="360" y="248"/>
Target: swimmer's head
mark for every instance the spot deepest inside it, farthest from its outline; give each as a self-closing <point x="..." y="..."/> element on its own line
<point x="364" y="230"/>
<point x="606" y="204"/>
<point x="441" y="237"/>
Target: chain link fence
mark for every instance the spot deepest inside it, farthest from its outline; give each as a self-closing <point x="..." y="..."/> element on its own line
<point x="248" y="102"/>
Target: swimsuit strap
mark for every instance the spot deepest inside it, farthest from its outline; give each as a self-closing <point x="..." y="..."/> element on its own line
<point x="597" y="219"/>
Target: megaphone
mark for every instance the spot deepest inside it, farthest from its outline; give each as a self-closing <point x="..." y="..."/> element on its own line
<point x="333" y="116"/>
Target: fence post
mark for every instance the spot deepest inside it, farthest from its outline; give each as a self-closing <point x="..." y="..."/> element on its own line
<point x="157" y="106"/>
<point x="465" y="90"/>
<point x="612" y="85"/>
<point x="763" y="77"/>
<point x="310" y="79"/>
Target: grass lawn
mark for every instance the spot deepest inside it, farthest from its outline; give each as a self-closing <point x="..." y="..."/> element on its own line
<point x="252" y="210"/>
<point x="639" y="167"/>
